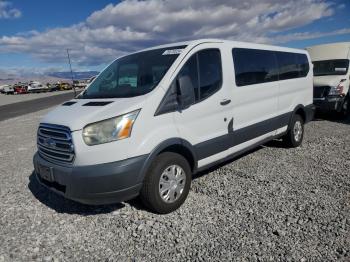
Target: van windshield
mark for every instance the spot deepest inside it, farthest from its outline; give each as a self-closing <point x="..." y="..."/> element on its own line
<point x="331" y="67"/>
<point x="133" y="75"/>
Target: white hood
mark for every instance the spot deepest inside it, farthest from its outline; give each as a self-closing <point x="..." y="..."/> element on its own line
<point x="332" y="80"/>
<point x="77" y="116"/>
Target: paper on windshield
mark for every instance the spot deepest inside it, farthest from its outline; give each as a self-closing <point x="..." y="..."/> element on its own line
<point x="173" y="52"/>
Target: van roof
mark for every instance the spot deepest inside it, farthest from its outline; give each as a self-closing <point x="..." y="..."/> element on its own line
<point x="339" y="50"/>
<point x="236" y="43"/>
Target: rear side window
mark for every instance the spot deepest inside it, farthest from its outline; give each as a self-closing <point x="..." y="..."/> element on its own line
<point x="287" y="66"/>
<point x="303" y="65"/>
<point x="205" y="71"/>
<point x="292" y="65"/>
<point x="254" y="66"/>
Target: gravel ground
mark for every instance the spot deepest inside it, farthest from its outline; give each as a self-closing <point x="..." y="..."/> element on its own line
<point x="271" y="204"/>
<point x="10" y="99"/>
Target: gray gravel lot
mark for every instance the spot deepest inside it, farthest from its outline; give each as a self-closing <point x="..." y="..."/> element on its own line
<point x="271" y="204"/>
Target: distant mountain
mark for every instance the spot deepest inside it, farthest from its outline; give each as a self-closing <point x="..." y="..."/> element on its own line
<point x="76" y="75"/>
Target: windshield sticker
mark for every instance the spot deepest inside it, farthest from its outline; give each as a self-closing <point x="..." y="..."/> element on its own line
<point x="173" y="52"/>
<point x="340" y="69"/>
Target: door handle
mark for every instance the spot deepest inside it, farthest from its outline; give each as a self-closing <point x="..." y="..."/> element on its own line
<point x="225" y="102"/>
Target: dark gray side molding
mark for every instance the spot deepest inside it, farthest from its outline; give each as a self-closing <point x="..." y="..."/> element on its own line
<point x="222" y="143"/>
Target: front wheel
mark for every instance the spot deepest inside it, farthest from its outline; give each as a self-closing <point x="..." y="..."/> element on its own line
<point x="167" y="183"/>
<point x="295" y="134"/>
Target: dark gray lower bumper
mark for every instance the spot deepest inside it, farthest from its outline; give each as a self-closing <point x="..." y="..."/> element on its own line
<point x="95" y="184"/>
<point x="333" y="103"/>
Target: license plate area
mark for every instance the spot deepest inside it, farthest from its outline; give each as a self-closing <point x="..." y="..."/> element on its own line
<point x="46" y="173"/>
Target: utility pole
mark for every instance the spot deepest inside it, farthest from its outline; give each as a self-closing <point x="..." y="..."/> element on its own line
<point x="71" y="72"/>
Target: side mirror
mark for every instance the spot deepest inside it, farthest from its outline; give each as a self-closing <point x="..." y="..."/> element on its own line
<point x="185" y="91"/>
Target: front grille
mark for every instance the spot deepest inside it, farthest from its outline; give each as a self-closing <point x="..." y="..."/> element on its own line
<point x="55" y="143"/>
<point x="321" y="91"/>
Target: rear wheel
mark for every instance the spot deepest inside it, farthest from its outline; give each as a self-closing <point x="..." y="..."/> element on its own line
<point x="295" y="134"/>
<point x="167" y="183"/>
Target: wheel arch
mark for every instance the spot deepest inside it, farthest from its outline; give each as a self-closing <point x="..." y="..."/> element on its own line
<point x="175" y="145"/>
<point x="298" y="110"/>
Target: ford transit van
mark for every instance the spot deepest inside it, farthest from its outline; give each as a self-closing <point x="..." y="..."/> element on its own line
<point x="331" y="76"/>
<point x="153" y="118"/>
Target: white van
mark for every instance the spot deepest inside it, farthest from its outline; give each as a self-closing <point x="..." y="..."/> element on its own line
<point x="331" y="76"/>
<point x="153" y="118"/>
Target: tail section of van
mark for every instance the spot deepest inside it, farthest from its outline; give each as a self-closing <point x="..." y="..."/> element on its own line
<point x="331" y="76"/>
<point x="153" y="118"/>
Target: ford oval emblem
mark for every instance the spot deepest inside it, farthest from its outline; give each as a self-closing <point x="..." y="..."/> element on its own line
<point x="50" y="142"/>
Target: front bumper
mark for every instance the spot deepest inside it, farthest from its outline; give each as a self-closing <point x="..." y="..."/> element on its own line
<point x="95" y="184"/>
<point x="329" y="103"/>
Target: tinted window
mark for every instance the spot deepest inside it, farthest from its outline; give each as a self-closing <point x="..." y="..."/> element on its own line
<point x="190" y="69"/>
<point x="205" y="71"/>
<point x="288" y="68"/>
<point x="303" y="65"/>
<point x="210" y="72"/>
<point x="133" y="75"/>
<point x="331" y="67"/>
<point x="292" y="65"/>
<point x="254" y="66"/>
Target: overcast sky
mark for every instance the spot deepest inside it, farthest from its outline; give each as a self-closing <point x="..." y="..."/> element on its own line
<point x="34" y="34"/>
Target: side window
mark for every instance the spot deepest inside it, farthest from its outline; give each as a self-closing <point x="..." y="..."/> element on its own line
<point x="253" y="66"/>
<point x="210" y="72"/>
<point x="190" y="69"/>
<point x="288" y="66"/>
<point x="205" y="71"/>
<point x="303" y="65"/>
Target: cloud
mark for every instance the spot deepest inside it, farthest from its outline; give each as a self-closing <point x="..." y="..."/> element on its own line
<point x="308" y="35"/>
<point x="131" y="25"/>
<point x="7" y="12"/>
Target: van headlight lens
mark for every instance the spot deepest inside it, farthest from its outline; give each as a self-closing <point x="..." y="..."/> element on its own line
<point x="110" y="129"/>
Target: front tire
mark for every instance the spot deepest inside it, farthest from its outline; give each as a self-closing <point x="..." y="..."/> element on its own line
<point x="167" y="183"/>
<point x="295" y="134"/>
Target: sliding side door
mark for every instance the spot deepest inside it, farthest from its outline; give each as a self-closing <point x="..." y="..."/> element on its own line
<point x="255" y="92"/>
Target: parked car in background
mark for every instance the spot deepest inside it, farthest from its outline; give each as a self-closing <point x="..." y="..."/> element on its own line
<point x="8" y="90"/>
<point x="331" y="76"/>
<point x="64" y="86"/>
<point x="153" y="118"/>
<point x="37" y="87"/>
<point x="2" y="88"/>
<point x="20" y="89"/>
<point x="80" y="83"/>
<point x="54" y="87"/>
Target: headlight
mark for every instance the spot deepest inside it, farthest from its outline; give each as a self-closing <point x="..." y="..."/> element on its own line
<point x="338" y="90"/>
<point x="109" y="130"/>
